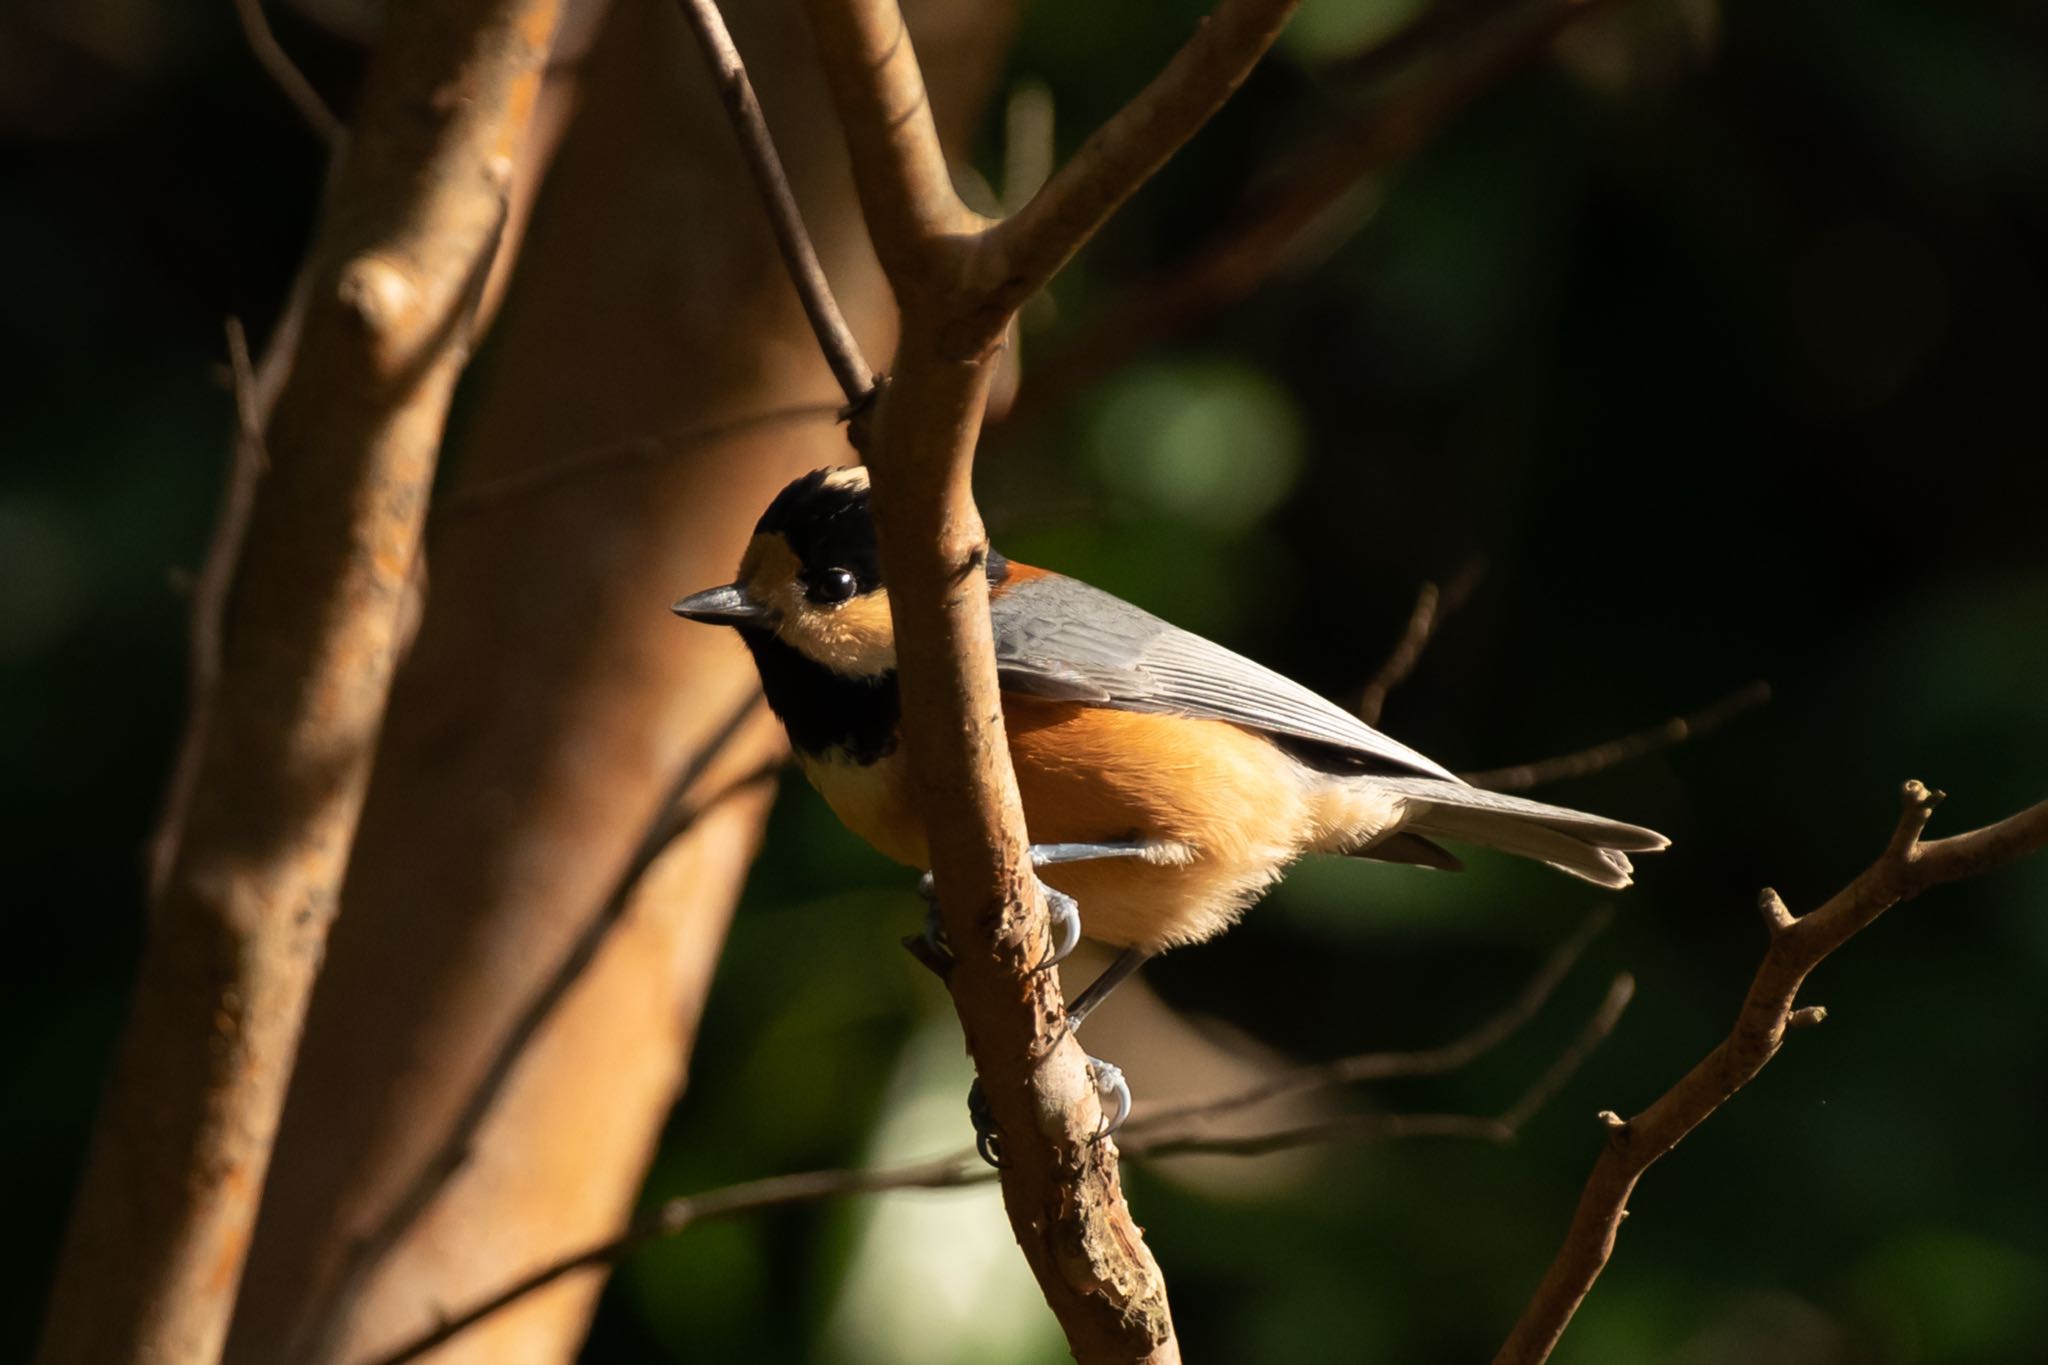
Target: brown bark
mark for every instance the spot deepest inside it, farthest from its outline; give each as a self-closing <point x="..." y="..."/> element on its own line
<point x="161" y="1229"/>
<point x="1799" y="944"/>
<point x="959" y="279"/>
<point x="550" y="700"/>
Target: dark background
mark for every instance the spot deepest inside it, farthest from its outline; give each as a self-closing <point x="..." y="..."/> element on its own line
<point x="1718" y="333"/>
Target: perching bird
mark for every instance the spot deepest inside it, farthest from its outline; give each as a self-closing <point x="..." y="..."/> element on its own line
<point x="1166" y="781"/>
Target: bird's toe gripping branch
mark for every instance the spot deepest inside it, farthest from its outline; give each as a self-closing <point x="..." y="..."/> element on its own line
<point x="1112" y="1092"/>
<point x="1062" y="937"/>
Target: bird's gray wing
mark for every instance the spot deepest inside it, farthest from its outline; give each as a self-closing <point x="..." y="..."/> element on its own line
<point x="1058" y="638"/>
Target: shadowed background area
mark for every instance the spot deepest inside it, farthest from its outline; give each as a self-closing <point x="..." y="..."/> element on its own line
<point x="1713" y="333"/>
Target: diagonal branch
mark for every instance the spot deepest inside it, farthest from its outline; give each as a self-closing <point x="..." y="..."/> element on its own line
<point x="1436" y="1061"/>
<point x="1157" y="1138"/>
<point x="285" y="73"/>
<point x="1432" y="606"/>
<point x="1123" y="154"/>
<point x="326" y="1322"/>
<point x="1613" y="753"/>
<point x="913" y="213"/>
<point x="1907" y="867"/>
<point x="210" y="589"/>
<point x="764" y="164"/>
<point x="1237" y="258"/>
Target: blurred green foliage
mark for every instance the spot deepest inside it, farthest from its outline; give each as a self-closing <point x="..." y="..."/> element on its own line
<point x="1720" y="335"/>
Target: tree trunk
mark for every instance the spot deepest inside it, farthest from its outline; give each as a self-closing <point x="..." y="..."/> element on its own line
<point x="551" y="699"/>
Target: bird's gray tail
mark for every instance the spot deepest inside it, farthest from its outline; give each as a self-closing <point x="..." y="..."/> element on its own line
<point x="1590" y="847"/>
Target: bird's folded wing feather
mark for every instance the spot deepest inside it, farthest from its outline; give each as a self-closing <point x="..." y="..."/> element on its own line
<point x="1057" y="637"/>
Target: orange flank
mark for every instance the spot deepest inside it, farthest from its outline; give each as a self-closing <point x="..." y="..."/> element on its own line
<point x="1226" y="810"/>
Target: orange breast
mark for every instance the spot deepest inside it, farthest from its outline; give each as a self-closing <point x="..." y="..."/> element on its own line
<point x="1227" y="811"/>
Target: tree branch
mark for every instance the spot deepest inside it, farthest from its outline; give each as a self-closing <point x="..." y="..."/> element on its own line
<point x="470" y="498"/>
<point x="161" y="1227"/>
<point x="956" y="281"/>
<point x="1436" y="1061"/>
<point x="210" y="588"/>
<point x="1155" y="1138"/>
<point x="1798" y="945"/>
<point x="764" y="164"/>
<point x="1154" y="1135"/>
<point x="285" y="74"/>
<point x="1432" y="607"/>
<point x="914" y="215"/>
<point x="1232" y="262"/>
<point x="1615" y="752"/>
<point x="1039" y="238"/>
<point x="672" y="817"/>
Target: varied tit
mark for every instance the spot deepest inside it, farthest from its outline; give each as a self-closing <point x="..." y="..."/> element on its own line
<point x="1166" y="781"/>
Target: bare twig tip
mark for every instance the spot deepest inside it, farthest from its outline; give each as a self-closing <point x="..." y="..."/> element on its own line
<point x="1807" y="1017"/>
<point x="1772" y="907"/>
<point x="1611" y="1121"/>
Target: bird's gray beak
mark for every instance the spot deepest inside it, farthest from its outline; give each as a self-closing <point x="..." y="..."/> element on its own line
<point x="727" y="606"/>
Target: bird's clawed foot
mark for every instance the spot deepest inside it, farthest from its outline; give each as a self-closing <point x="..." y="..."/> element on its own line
<point x="1064" y="927"/>
<point x="930" y="947"/>
<point x="1112" y="1093"/>
<point x="1062" y="937"/>
<point x="986" y="1140"/>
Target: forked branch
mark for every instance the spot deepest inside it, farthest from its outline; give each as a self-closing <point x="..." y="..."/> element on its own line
<point x="959" y="281"/>
<point x="1124" y="153"/>
<point x="1798" y="944"/>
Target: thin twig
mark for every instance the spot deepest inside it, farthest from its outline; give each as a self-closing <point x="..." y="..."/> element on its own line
<point x="1600" y="757"/>
<point x="1905" y="868"/>
<point x="285" y="73"/>
<point x="210" y="589"/>
<point x="472" y="498"/>
<point x="672" y="817"/>
<point x="1150" y="1138"/>
<point x="1150" y="1141"/>
<point x="1420" y="37"/>
<point x="1567" y="1063"/>
<point x="672" y="1216"/>
<point x="1432" y="607"/>
<point x="1402" y="659"/>
<point x="1436" y="1061"/>
<point x="1043" y="235"/>
<point x="1234" y="261"/>
<point x="842" y="352"/>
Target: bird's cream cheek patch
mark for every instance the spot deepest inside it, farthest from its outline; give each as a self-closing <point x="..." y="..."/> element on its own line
<point x="854" y="638"/>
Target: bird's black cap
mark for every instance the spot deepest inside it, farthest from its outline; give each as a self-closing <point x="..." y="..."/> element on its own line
<point x="826" y="518"/>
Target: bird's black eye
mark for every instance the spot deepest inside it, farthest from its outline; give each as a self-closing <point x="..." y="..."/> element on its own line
<point x="833" y="585"/>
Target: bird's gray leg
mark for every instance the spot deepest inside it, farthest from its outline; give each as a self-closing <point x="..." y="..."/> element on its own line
<point x="1111" y="1090"/>
<point x="1115" y="974"/>
<point x="931" y="948"/>
<point x="1062" y="908"/>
